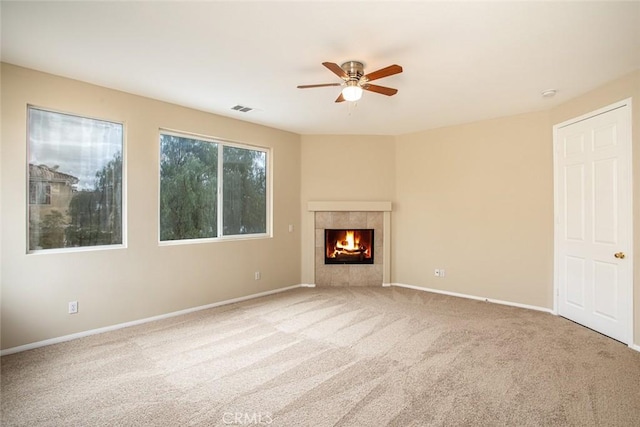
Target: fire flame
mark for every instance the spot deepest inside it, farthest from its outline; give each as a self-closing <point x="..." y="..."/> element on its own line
<point x="349" y="243"/>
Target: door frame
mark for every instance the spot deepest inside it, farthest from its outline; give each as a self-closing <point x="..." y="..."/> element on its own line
<point x="626" y="104"/>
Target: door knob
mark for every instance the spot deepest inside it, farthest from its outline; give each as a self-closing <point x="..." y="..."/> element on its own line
<point x="619" y="255"/>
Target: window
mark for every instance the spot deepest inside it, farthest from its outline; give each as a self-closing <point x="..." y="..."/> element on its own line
<point x="245" y="191"/>
<point x="188" y="188"/>
<point x="211" y="188"/>
<point x="39" y="193"/>
<point x="75" y="181"/>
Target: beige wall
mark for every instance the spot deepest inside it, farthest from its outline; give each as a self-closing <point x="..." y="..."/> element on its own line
<point x="617" y="90"/>
<point x="477" y="201"/>
<point x="120" y="285"/>
<point x="474" y="199"/>
<point x="339" y="168"/>
<point x="483" y="193"/>
<point x="347" y="167"/>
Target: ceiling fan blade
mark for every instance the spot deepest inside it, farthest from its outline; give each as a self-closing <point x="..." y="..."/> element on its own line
<point x="384" y="72"/>
<point x="380" y="89"/>
<point x="335" y="69"/>
<point x="340" y="98"/>
<point x="320" y="85"/>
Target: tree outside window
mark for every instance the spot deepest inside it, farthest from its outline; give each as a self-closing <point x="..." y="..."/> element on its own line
<point x="211" y="189"/>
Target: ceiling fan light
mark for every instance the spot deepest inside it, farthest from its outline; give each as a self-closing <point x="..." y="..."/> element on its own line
<point x="352" y="93"/>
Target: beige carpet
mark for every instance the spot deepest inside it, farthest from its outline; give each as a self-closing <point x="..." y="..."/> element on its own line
<point x="332" y="357"/>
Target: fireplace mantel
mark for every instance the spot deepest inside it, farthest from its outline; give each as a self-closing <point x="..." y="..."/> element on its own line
<point x="308" y="268"/>
<point x="349" y="206"/>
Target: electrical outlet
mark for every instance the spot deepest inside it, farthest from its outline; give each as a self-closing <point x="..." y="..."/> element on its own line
<point x="436" y="272"/>
<point x="257" y="275"/>
<point x="290" y="228"/>
<point x="73" y="307"/>
<point x="442" y="272"/>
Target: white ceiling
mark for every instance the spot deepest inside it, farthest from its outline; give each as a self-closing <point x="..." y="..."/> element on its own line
<point x="463" y="61"/>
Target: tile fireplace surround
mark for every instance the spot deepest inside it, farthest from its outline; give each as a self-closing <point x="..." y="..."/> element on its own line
<point x="349" y="215"/>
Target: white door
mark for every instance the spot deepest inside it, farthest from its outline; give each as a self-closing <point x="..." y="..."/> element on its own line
<point x="593" y="231"/>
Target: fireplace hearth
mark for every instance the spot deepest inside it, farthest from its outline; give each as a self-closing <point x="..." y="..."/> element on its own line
<point x="348" y="246"/>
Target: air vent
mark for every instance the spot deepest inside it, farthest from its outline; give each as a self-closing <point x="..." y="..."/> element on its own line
<point x="242" y="108"/>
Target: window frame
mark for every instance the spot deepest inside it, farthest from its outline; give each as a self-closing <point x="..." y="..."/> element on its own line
<point x="28" y="205"/>
<point x="221" y="143"/>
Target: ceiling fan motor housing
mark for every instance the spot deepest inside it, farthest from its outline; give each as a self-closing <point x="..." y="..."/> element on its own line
<point x="354" y="69"/>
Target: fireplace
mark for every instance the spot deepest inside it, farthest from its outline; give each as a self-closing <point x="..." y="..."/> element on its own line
<point x="346" y="215"/>
<point x="348" y="246"/>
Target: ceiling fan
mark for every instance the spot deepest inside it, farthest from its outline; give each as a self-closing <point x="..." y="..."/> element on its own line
<point x="355" y="80"/>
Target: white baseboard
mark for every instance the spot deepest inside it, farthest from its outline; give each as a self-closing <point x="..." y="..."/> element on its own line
<point x="386" y="285"/>
<point x="307" y="285"/>
<point x="83" y="334"/>
<point x="491" y="300"/>
<point x="635" y="347"/>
